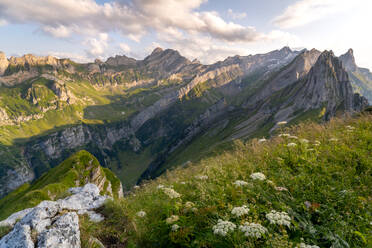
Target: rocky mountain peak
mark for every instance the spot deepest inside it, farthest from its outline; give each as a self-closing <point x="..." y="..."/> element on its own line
<point x="157" y="50"/>
<point x="165" y="62"/>
<point x="120" y="60"/>
<point x="33" y="60"/>
<point x="328" y="84"/>
<point x="348" y="60"/>
<point x="3" y="63"/>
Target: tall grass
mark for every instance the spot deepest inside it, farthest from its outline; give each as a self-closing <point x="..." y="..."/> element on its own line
<point x="323" y="183"/>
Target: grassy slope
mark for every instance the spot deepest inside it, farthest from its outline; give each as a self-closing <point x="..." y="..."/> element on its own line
<point x="328" y="197"/>
<point x="74" y="171"/>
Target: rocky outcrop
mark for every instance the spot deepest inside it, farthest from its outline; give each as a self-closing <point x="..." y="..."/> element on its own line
<point x="361" y="78"/>
<point x="348" y="60"/>
<point x="3" y="63"/>
<point x="121" y="60"/>
<point x="12" y="178"/>
<point x="53" y="223"/>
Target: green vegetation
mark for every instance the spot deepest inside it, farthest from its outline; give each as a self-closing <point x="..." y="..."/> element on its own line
<point x="4" y="230"/>
<point x="77" y="170"/>
<point x="321" y="178"/>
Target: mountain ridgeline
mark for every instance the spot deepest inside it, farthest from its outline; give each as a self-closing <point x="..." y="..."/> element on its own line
<point x="141" y="117"/>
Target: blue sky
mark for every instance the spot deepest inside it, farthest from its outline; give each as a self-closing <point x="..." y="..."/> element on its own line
<point x="207" y="30"/>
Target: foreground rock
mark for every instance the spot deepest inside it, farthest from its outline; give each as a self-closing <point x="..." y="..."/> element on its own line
<point x="53" y="223"/>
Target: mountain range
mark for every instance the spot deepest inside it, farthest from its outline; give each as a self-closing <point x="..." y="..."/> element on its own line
<point x="142" y="117"/>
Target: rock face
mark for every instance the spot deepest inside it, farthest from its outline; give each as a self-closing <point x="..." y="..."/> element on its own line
<point x="3" y="63"/>
<point x="50" y="222"/>
<point x="348" y="60"/>
<point x="63" y="233"/>
<point x="361" y="78"/>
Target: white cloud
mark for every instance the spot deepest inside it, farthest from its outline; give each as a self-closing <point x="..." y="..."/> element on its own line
<point x="236" y="15"/>
<point x="60" y="32"/>
<point x="3" y="22"/>
<point x="126" y="49"/>
<point x="306" y="11"/>
<point x="73" y="56"/>
<point x="134" y="19"/>
<point x="178" y="24"/>
<point x="97" y="46"/>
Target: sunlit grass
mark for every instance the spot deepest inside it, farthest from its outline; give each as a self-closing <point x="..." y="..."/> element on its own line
<point x="323" y="183"/>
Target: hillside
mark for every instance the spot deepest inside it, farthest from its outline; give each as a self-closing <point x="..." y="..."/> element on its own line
<point x="317" y="178"/>
<point x="141" y="117"/>
<point x="78" y="170"/>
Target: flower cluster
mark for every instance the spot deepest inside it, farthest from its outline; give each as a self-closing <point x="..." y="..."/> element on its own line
<point x="350" y="128"/>
<point x="171" y="193"/>
<point x="141" y="214"/>
<point x="280" y="218"/>
<point x="240" y="183"/>
<point x="261" y="140"/>
<point x="292" y="144"/>
<point x="223" y="227"/>
<point x="202" y="177"/>
<point x="160" y="186"/>
<point x="189" y="204"/>
<point x="293" y="137"/>
<point x="240" y="211"/>
<point x="175" y="227"/>
<point x="253" y="230"/>
<point x="316" y="143"/>
<point x="172" y="219"/>
<point x="304" y="141"/>
<point x="284" y="135"/>
<point x="278" y="188"/>
<point x="258" y="176"/>
<point x="303" y="245"/>
<point x="333" y="139"/>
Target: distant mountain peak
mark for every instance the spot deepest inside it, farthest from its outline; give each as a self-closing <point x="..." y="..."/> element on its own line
<point x="348" y="60"/>
<point x="157" y="50"/>
<point x="286" y="49"/>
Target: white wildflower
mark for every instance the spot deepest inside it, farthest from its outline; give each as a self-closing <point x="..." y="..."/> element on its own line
<point x="136" y="187"/>
<point x="172" y="219"/>
<point x="240" y="211"/>
<point x="171" y="193"/>
<point x="281" y="188"/>
<point x="223" y="227"/>
<point x="310" y="150"/>
<point x="258" y="176"/>
<point x="305" y="141"/>
<point x="316" y="143"/>
<point x="175" y="227"/>
<point x="333" y="139"/>
<point x="189" y="204"/>
<point x="280" y="123"/>
<point x="261" y="140"/>
<point x="293" y="137"/>
<point x="292" y="144"/>
<point x="303" y="245"/>
<point x="202" y="177"/>
<point x="350" y="127"/>
<point x="160" y="186"/>
<point x="253" y="230"/>
<point x="183" y="183"/>
<point x="279" y="218"/>
<point x="240" y="183"/>
<point x="141" y="214"/>
<point x="284" y="135"/>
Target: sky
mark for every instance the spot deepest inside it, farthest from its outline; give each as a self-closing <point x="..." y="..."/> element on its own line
<point x="207" y="30"/>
